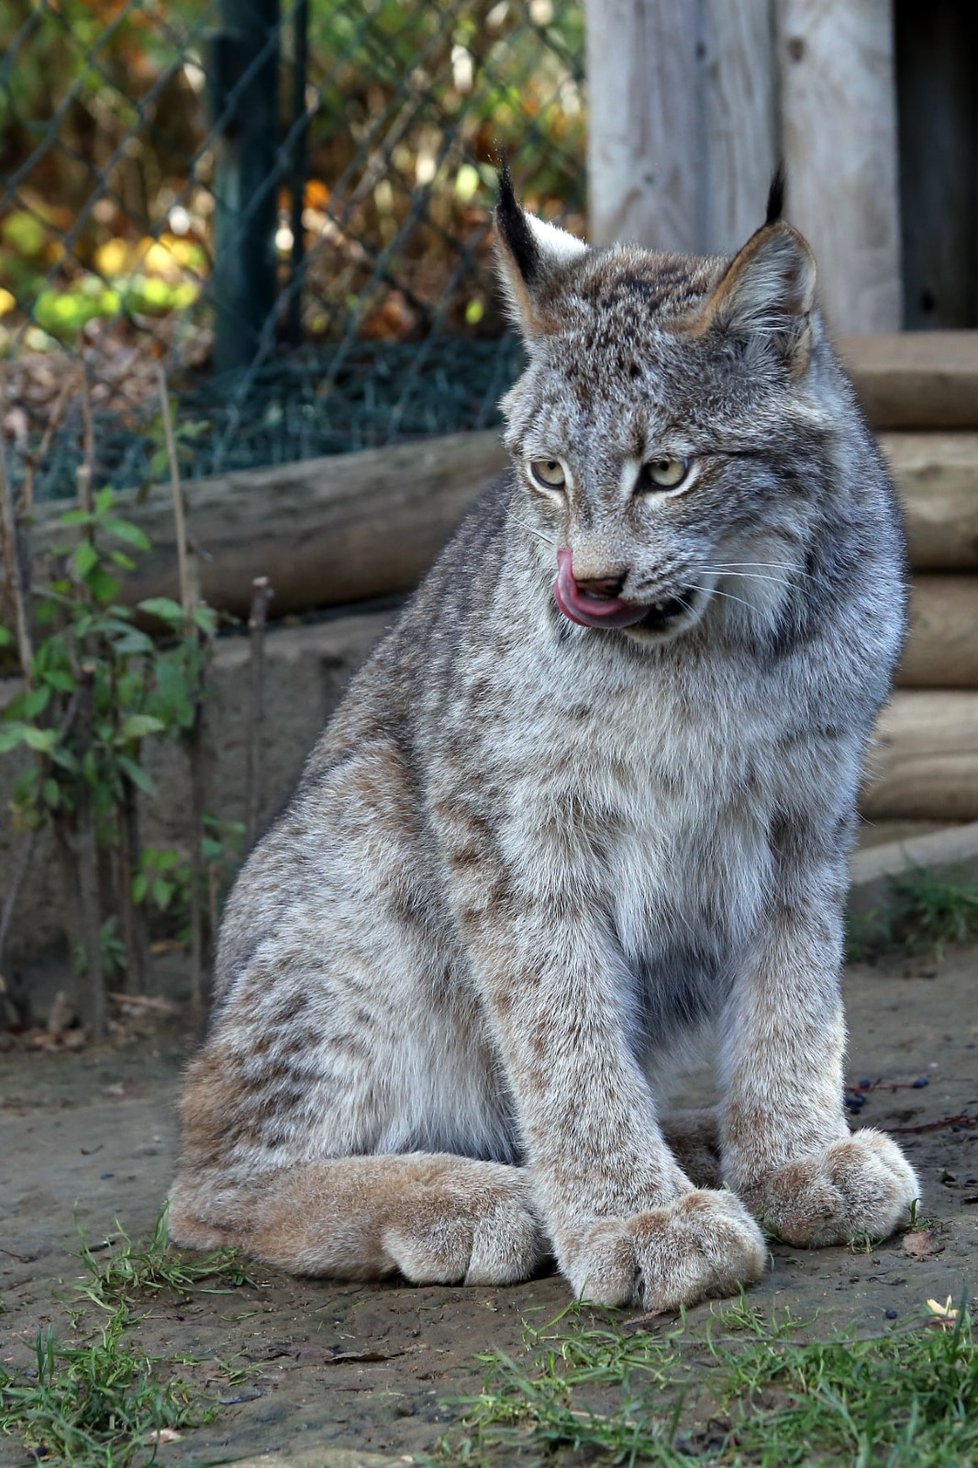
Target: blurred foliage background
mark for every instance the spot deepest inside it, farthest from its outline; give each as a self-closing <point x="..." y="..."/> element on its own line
<point x="119" y="148"/>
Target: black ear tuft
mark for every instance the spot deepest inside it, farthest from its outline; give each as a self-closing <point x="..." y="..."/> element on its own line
<point x="512" y="225"/>
<point x="775" y="196"/>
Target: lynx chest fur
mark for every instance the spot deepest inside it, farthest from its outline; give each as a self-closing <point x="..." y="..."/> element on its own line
<point x="593" y="796"/>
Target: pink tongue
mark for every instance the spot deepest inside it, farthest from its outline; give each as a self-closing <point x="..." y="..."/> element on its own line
<point x="590" y="611"/>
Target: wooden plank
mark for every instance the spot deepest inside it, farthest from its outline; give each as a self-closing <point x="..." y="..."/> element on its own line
<point x="644" y="122"/>
<point x="937" y="477"/>
<point x="838" y="110"/>
<point x="925" y="763"/>
<point x="942" y="647"/>
<point x="742" y="148"/>
<point x="918" y="379"/>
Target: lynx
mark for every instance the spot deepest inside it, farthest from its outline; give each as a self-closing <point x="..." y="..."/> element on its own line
<point x="588" y="805"/>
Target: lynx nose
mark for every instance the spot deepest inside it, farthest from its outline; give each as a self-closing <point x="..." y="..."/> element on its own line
<point x="601" y="586"/>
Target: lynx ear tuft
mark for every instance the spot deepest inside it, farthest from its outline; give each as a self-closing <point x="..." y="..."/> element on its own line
<point x="767" y="293"/>
<point x="775" y="196"/>
<point x="530" y="254"/>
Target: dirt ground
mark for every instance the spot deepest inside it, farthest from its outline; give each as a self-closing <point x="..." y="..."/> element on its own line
<point x="89" y="1137"/>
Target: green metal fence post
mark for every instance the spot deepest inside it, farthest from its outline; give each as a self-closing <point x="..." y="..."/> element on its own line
<point x="244" y="81"/>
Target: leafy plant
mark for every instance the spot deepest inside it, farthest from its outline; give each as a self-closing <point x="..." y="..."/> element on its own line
<point x="96" y="685"/>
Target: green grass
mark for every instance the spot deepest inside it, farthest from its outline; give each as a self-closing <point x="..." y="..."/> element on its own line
<point x="127" y="1269"/>
<point x="101" y="1403"/>
<point x="751" y="1395"/>
<point x="926" y="912"/>
<point x="99" y="1400"/>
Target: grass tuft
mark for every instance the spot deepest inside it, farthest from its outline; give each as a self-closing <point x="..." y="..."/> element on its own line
<point x="102" y="1404"/>
<point x="128" y="1269"/>
<point x="99" y="1401"/>
<point x="926" y="913"/>
<point x="755" y="1396"/>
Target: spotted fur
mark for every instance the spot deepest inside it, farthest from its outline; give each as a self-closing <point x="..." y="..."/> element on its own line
<point x="530" y="862"/>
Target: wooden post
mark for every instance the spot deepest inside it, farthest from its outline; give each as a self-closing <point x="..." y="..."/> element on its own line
<point x="741" y="107"/>
<point x="682" y="138"/>
<point x="838" y="103"/>
<point x="645" y="127"/>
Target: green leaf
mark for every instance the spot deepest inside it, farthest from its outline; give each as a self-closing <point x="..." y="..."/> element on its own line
<point x="127" y="531"/>
<point x="59" y="679"/>
<point x="140" y="886"/>
<point x="162" y="893"/>
<point x="51" y="791"/>
<point x="76" y="517"/>
<point x="134" y="642"/>
<point x="104" y="500"/>
<point x="105" y="588"/>
<point x="43" y="740"/>
<point x="139" y="725"/>
<point x="163" y="607"/>
<point x="6" y="638"/>
<point x="119" y="558"/>
<point x="37" y="701"/>
<point x="206" y="619"/>
<point x="65" y="759"/>
<point x="137" y="775"/>
<point x="10" y="736"/>
<point x="85" y="558"/>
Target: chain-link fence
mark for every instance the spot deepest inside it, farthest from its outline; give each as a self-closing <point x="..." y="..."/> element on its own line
<point x="284" y="201"/>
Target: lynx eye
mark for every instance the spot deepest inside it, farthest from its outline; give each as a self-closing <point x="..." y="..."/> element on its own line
<point x="548" y="473"/>
<point x="664" y="473"/>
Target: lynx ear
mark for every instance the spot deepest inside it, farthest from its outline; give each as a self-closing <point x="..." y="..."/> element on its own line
<point x="530" y="253"/>
<point x="767" y="293"/>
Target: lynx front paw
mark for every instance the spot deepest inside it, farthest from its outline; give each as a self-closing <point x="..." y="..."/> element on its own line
<point x="863" y="1185"/>
<point x="479" y="1230"/>
<point x="703" y="1244"/>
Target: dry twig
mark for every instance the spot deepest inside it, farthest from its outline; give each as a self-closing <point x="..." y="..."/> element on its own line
<point x="261" y="595"/>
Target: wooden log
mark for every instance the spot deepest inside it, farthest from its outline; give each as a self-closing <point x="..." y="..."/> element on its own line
<point x="915" y="379"/>
<point x="324" y="531"/>
<point x="937" y="477"/>
<point x="838" y="111"/>
<point x="925" y="763"/>
<point x="942" y="648"/>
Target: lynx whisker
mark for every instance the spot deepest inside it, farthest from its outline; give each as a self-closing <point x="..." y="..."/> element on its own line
<point x="768" y="565"/>
<point x="728" y="597"/>
<point x="753" y="576"/>
<point x="534" y="531"/>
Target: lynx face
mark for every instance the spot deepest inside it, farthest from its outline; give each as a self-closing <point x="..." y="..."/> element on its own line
<point x="651" y="424"/>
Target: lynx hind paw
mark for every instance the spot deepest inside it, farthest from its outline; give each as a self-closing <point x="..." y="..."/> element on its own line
<point x="487" y="1236"/>
<point x="863" y="1185"/>
<point x="703" y="1245"/>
